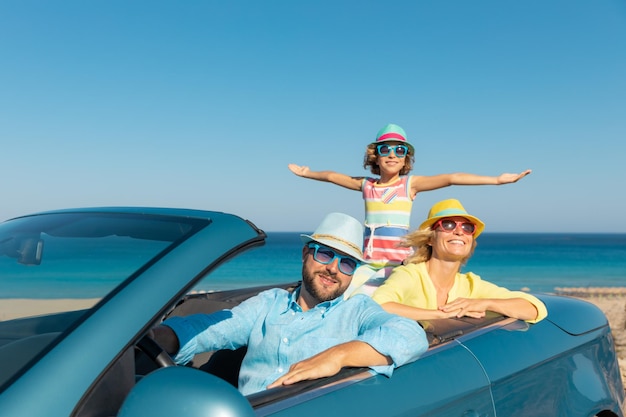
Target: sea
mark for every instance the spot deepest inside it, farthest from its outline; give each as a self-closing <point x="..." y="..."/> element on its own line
<point x="538" y="262"/>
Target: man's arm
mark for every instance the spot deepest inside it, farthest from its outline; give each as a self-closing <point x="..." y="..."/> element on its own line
<point x="385" y="341"/>
<point x="166" y="338"/>
<point x="330" y="362"/>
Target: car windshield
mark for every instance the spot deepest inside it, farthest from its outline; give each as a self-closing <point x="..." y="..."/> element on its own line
<point x="46" y="259"/>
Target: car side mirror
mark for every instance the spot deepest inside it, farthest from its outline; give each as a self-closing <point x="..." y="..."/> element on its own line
<point x="28" y="250"/>
<point x="178" y="390"/>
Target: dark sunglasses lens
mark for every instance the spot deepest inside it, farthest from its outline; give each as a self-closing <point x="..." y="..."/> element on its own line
<point x="383" y="150"/>
<point x="448" y="225"/>
<point x="325" y="255"/>
<point x="401" y="150"/>
<point x="468" y="227"/>
<point x="347" y="265"/>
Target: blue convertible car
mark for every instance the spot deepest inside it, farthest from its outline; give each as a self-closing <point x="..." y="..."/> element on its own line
<point x="145" y="264"/>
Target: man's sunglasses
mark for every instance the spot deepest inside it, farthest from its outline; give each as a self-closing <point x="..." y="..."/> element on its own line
<point x="400" y="150"/>
<point x="448" y="225"/>
<point x="325" y="256"/>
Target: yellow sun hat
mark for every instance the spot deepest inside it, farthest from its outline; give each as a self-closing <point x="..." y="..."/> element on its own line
<point x="451" y="208"/>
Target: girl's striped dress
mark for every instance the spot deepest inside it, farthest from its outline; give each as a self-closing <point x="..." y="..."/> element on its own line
<point x="387" y="220"/>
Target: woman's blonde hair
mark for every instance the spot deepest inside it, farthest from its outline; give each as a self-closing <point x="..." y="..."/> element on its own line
<point x="421" y="242"/>
<point x="370" y="160"/>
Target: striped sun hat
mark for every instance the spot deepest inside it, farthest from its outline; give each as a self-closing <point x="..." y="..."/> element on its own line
<point x="393" y="133"/>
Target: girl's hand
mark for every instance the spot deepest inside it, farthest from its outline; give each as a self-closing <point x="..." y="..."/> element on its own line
<point x="301" y="171"/>
<point x="509" y="178"/>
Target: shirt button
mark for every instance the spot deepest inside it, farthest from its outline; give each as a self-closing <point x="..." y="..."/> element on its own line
<point x="279" y="369"/>
<point x="285" y="340"/>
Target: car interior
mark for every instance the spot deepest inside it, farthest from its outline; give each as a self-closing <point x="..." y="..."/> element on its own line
<point x="225" y="363"/>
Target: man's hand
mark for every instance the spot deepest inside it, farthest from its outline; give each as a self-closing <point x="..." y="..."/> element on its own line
<point x="330" y="362"/>
<point x="321" y="365"/>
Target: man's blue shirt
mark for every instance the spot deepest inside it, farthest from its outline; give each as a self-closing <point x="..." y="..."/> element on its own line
<point x="278" y="333"/>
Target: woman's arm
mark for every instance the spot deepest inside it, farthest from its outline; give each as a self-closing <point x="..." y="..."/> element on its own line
<point x="518" y="308"/>
<point x="414" y="313"/>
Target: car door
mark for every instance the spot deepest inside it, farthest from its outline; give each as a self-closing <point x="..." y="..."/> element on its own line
<point x="446" y="381"/>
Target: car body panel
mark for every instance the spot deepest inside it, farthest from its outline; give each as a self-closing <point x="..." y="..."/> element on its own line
<point x="539" y="356"/>
<point x="203" y="395"/>
<point x="413" y="389"/>
<point x="584" y="318"/>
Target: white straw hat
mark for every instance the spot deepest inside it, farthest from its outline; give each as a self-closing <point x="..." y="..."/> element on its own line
<point x="339" y="231"/>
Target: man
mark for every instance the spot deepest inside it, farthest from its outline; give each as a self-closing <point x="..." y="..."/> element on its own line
<point x="310" y="333"/>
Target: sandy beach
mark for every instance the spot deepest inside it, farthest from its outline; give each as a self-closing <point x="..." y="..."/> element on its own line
<point x="13" y="308"/>
<point x="612" y="301"/>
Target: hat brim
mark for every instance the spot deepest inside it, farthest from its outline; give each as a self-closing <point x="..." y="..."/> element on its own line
<point x="334" y="244"/>
<point x="480" y="226"/>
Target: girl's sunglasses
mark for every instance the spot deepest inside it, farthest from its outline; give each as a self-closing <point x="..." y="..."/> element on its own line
<point x="400" y="150"/>
<point x="448" y="225"/>
<point x="325" y="256"/>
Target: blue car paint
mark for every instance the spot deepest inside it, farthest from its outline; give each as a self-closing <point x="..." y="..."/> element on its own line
<point x="201" y="394"/>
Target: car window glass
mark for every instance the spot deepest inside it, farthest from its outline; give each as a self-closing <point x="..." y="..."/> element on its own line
<point x="278" y="261"/>
<point x="47" y="260"/>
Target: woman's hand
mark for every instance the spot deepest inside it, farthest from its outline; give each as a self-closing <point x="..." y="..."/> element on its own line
<point x="470" y="307"/>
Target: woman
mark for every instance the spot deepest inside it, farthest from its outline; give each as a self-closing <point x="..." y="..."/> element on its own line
<point x="431" y="286"/>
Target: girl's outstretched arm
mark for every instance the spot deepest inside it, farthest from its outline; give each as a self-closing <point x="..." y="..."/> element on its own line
<point x="352" y="183"/>
<point x="433" y="182"/>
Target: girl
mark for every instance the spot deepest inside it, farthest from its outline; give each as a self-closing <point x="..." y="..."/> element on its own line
<point x="389" y="197"/>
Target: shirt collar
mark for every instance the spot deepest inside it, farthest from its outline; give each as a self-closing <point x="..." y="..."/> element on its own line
<point x="324" y="306"/>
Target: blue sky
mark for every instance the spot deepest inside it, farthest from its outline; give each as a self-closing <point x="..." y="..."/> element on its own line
<point x="203" y="104"/>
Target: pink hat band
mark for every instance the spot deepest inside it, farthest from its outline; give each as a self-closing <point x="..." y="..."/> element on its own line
<point x="391" y="135"/>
